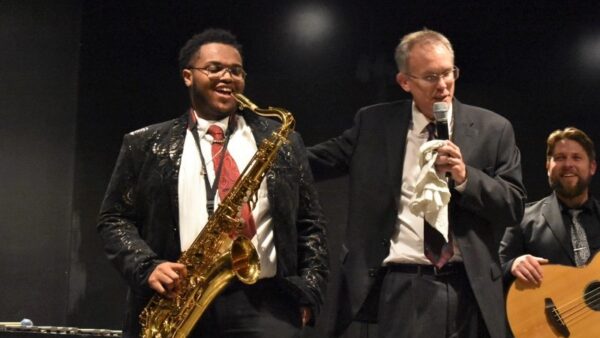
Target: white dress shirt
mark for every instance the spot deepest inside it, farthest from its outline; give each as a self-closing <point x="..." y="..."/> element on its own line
<point x="193" y="214"/>
<point x="406" y="244"/>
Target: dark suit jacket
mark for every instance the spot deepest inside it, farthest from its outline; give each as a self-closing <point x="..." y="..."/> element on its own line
<point x="372" y="152"/>
<point x="542" y="233"/>
<point x="138" y="220"/>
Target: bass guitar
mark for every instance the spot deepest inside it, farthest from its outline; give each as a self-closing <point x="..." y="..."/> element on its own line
<point x="565" y="304"/>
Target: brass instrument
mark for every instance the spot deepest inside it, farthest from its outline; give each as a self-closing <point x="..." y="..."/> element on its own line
<point x="219" y="253"/>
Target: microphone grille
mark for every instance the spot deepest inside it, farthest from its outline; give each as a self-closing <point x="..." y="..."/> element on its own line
<point x="440" y="106"/>
<point x="440" y="111"/>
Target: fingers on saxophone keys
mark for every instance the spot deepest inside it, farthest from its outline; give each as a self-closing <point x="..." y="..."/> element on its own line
<point x="157" y="286"/>
<point x="180" y="270"/>
<point x="169" y="289"/>
<point x="176" y="272"/>
<point x="169" y="294"/>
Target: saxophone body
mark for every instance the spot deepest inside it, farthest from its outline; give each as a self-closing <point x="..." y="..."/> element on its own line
<point x="219" y="253"/>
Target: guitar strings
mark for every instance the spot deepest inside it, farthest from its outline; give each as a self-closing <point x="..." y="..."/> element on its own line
<point x="565" y="312"/>
<point x="580" y="315"/>
<point x="576" y="310"/>
<point x="577" y="317"/>
<point x="593" y="300"/>
<point x="593" y="293"/>
<point x="591" y="296"/>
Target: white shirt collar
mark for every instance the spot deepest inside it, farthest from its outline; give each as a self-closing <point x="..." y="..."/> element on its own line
<point x="203" y="125"/>
<point x="420" y="121"/>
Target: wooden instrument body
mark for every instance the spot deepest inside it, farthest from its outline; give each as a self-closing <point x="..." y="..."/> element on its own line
<point x="574" y="291"/>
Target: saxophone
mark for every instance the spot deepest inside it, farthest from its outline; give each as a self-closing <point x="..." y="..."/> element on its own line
<point x="219" y="253"/>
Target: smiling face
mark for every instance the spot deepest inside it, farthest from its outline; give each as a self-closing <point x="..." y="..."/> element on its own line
<point x="425" y="59"/>
<point x="211" y="95"/>
<point x="570" y="171"/>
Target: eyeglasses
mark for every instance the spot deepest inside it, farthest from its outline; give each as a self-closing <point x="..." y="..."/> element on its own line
<point x="216" y="71"/>
<point x="449" y="75"/>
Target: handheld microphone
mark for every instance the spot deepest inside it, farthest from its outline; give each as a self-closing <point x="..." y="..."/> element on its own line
<point x="440" y="113"/>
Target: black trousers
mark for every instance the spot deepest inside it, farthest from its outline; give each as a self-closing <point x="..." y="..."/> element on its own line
<point x="259" y="310"/>
<point x="418" y="301"/>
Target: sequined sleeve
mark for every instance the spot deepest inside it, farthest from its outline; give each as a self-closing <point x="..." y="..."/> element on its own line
<point x="313" y="259"/>
<point x="117" y="222"/>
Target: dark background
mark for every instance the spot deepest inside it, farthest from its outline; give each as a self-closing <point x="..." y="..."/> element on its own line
<point x="76" y="75"/>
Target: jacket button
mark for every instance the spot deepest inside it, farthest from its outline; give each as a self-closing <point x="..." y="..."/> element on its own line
<point x="385" y="242"/>
<point x="373" y="272"/>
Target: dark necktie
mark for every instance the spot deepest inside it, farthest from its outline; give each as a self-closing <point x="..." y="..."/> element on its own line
<point x="581" y="249"/>
<point x="431" y="131"/>
<point x="436" y="249"/>
<point x="228" y="177"/>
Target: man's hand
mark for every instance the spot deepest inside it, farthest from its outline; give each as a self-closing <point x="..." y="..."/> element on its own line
<point x="528" y="268"/>
<point x="449" y="160"/>
<point x="166" y="278"/>
<point x="305" y="314"/>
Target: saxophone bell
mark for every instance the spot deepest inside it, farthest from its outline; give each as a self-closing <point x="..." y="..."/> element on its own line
<point x="244" y="260"/>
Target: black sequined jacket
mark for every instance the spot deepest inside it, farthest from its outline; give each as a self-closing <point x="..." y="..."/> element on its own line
<point x="138" y="220"/>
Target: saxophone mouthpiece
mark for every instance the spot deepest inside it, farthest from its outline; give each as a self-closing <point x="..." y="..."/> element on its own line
<point x="244" y="102"/>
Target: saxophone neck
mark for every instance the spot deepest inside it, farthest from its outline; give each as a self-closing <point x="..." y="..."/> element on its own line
<point x="286" y="118"/>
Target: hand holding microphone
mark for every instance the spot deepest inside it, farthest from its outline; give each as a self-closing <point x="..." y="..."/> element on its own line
<point x="449" y="159"/>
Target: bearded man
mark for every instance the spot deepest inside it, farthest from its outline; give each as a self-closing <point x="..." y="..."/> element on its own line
<point x="563" y="228"/>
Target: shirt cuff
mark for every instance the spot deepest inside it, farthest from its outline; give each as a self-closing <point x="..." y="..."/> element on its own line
<point x="461" y="187"/>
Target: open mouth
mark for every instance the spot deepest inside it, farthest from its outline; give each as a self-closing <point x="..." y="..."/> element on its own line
<point x="570" y="178"/>
<point x="224" y="91"/>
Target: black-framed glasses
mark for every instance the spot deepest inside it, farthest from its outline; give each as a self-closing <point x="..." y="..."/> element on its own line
<point x="216" y="71"/>
<point x="433" y="78"/>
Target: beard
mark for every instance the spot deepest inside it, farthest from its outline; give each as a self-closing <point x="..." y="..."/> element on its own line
<point x="570" y="192"/>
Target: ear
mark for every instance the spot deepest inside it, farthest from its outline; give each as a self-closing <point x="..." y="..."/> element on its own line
<point x="187" y="77"/>
<point x="593" y="167"/>
<point x="548" y="167"/>
<point x="402" y="80"/>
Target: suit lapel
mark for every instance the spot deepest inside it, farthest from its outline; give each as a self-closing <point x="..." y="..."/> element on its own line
<point x="464" y="130"/>
<point x="259" y="127"/>
<point x="554" y="219"/>
<point x="464" y="134"/>
<point x="176" y="141"/>
<point x="260" y="131"/>
<point x="395" y="136"/>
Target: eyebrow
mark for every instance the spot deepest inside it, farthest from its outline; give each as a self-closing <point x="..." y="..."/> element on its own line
<point x="442" y="72"/>
<point x="223" y="64"/>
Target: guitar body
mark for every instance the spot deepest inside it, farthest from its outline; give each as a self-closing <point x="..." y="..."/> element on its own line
<point x="572" y="292"/>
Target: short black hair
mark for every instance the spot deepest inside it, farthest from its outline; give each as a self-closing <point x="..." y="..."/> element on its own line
<point x="210" y="35"/>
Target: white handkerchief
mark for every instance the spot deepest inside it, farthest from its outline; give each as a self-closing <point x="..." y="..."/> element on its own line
<point x="431" y="190"/>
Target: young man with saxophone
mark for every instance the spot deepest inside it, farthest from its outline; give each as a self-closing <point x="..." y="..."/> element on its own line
<point x="171" y="177"/>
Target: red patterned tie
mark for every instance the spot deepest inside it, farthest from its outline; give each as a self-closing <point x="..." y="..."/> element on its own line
<point x="229" y="174"/>
<point x="436" y="249"/>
